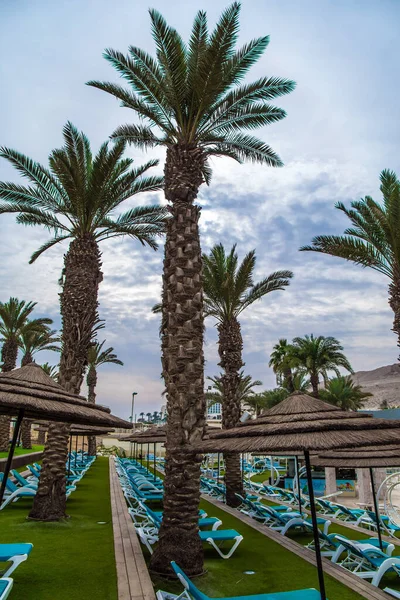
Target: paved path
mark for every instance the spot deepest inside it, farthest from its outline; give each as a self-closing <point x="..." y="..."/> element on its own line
<point x="134" y="581"/>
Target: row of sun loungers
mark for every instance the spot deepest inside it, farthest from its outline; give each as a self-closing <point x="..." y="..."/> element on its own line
<point x="21" y="486"/>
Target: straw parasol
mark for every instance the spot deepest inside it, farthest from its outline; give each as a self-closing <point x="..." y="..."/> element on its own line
<point x="304" y="423"/>
<point x="30" y="393"/>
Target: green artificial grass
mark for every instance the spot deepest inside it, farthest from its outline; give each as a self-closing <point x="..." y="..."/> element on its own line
<point x="261" y="477"/>
<point x="72" y="560"/>
<point x="21" y="451"/>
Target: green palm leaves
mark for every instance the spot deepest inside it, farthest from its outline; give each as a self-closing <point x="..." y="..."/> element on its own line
<point x="81" y="193"/>
<point x="228" y="286"/>
<point x="342" y="392"/>
<point x="318" y="355"/>
<point x="373" y="240"/>
<point x="193" y="94"/>
<point x="97" y="356"/>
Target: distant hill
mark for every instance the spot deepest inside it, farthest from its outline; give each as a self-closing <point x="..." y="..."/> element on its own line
<point x="383" y="383"/>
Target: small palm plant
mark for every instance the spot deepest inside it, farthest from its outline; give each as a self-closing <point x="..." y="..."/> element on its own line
<point x="14" y="322"/>
<point x="192" y="100"/>
<point x="280" y="363"/>
<point x="343" y="392"/>
<point x="77" y="199"/>
<point x="317" y="356"/>
<point x="245" y="391"/>
<point x="31" y="342"/>
<point x="373" y="240"/>
<point x="229" y="290"/>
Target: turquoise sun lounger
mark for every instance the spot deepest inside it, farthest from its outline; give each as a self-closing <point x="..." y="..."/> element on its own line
<point x="5" y="587"/>
<point x="192" y="592"/>
<point x="15" y="554"/>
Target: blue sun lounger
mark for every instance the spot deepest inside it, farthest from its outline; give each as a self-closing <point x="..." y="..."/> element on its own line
<point x="15" y="554"/>
<point x="367" y="561"/>
<point x="15" y="492"/>
<point x="192" y="592"/>
<point x="5" y="587"/>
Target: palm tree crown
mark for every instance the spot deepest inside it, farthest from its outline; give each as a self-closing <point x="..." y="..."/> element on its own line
<point x="343" y="392"/>
<point x="228" y="286"/>
<point x="244" y="390"/>
<point x="79" y="194"/>
<point x="97" y="356"/>
<point x="193" y="93"/>
<point x="317" y="356"/>
<point x="373" y="240"/>
<point x="280" y="363"/>
<point x="33" y="341"/>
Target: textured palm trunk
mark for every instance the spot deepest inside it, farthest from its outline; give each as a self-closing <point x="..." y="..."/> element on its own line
<point x="287" y="373"/>
<point x="394" y="302"/>
<point x="78" y="304"/>
<point x="26" y="435"/>
<point x="183" y="365"/>
<point x="314" y="384"/>
<point x="230" y="346"/>
<point x="9" y="353"/>
<point x="26" y="359"/>
<point x="41" y="438"/>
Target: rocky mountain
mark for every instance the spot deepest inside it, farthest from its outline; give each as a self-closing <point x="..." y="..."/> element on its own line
<point x="383" y="383"/>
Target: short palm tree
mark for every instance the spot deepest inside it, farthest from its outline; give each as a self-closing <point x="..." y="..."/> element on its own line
<point x="31" y="342"/>
<point x="142" y="416"/>
<point x="51" y="370"/>
<point x="343" y="392"/>
<point x="14" y="322"/>
<point x="148" y="415"/>
<point x="76" y="199"/>
<point x="373" y="240"/>
<point x="317" y="356"/>
<point x="245" y="391"/>
<point x="229" y="290"/>
<point x="96" y="357"/>
<point x="191" y="99"/>
<point x="280" y="363"/>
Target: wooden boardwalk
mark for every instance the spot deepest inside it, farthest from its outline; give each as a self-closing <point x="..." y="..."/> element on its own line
<point x="134" y="581"/>
<point x="362" y="587"/>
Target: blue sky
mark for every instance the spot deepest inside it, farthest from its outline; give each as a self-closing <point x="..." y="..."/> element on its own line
<point x="342" y="129"/>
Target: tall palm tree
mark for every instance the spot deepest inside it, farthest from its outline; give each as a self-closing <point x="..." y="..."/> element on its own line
<point x="343" y="392"/>
<point x="76" y="199"/>
<point x="191" y="99"/>
<point x="148" y="415"/>
<point x="96" y="357"/>
<point x="280" y="363"/>
<point x="142" y="416"/>
<point x="14" y="321"/>
<point x="155" y="416"/>
<point x="228" y="291"/>
<point x="316" y="356"/>
<point x="373" y="240"/>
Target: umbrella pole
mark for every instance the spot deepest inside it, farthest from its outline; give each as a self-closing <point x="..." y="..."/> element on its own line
<point x="148" y="458"/>
<point x="315" y="527"/>
<point x="218" y="459"/>
<point x="7" y="468"/>
<point x="296" y="458"/>
<point x="69" y="455"/>
<point x="378" y="518"/>
<point x="76" y="448"/>
<point x="154" y="461"/>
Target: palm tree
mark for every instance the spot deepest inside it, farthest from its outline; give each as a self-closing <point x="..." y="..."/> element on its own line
<point x="270" y="398"/>
<point x="14" y="322"/>
<point x="245" y="392"/>
<point x="148" y="415"/>
<point x="343" y="392"/>
<point x="51" y="370"/>
<point x="280" y="363"/>
<point x="96" y="357"/>
<point x="316" y="356"/>
<point x="228" y="291"/>
<point x="76" y="199"/>
<point x="33" y="341"/>
<point x="142" y="416"/>
<point x="373" y="240"/>
<point x="191" y="99"/>
<point x="155" y="416"/>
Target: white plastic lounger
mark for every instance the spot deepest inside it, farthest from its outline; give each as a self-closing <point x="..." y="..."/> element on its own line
<point x="367" y="561"/>
<point x="15" y="554"/>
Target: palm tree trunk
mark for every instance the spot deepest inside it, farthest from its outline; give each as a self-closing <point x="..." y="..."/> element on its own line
<point x="41" y="438"/>
<point x="91" y="380"/>
<point x="26" y="436"/>
<point x="394" y="302"/>
<point x="26" y="359"/>
<point x="230" y="346"/>
<point x="9" y="353"/>
<point x="288" y="375"/>
<point x="78" y="304"/>
<point x="314" y="384"/>
<point x="183" y="365"/>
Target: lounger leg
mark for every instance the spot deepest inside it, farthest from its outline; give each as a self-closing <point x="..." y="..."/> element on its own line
<point x="238" y="539"/>
<point x="15" y="561"/>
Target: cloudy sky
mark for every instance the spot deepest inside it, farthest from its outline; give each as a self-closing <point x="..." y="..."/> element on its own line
<point x="342" y="129"/>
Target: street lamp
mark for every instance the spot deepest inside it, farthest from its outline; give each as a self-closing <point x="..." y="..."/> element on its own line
<point x="133" y="405"/>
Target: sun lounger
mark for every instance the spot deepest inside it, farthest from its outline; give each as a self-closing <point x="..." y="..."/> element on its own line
<point x="15" y="493"/>
<point x="333" y="549"/>
<point x="22" y="481"/>
<point x="15" y="554"/>
<point x="192" y="592"/>
<point x="5" y="587"/>
<point x="367" y="561"/>
<point x="370" y="520"/>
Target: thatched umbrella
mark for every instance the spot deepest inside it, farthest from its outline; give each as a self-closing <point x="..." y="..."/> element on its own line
<point x="153" y="435"/>
<point x="303" y="423"/>
<point x="29" y="392"/>
<point x="84" y="431"/>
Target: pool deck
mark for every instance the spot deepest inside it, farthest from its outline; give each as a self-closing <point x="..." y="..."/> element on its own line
<point x="133" y="578"/>
<point x="355" y="583"/>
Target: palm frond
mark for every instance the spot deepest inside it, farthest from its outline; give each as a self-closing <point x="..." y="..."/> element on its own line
<point x="47" y="245"/>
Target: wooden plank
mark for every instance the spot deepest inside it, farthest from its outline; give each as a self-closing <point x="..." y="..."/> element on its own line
<point x="134" y="581"/>
<point x="355" y="583"/>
